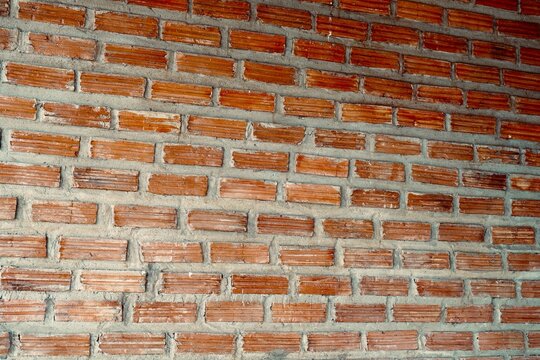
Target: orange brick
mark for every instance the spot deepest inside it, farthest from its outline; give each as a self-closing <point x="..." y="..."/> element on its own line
<point x="260" y="160"/>
<point x="149" y="121"/>
<point x="470" y="20"/>
<point x="126" y="24"/>
<point x="393" y="145"/>
<point x="105" y="179"/>
<point x="493" y="288"/>
<point x="469" y="314"/>
<point x="380" y="170"/>
<point x="39" y="76"/>
<point x="375" y="58"/>
<point x="520" y="131"/>
<point x="331" y="81"/>
<point x="67" y="212"/>
<point x="144" y="216"/>
<point x="234" y="311"/>
<point x="416" y="313"/>
<point x="177" y="5"/>
<point x="113" y="281"/>
<point x="43" y="143"/>
<point x="478" y="261"/>
<point x="275" y="74"/>
<point x="192" y="155"/>
<point x="217" y="127"/>
<point x="260" y="284"/>
<point x="512" y="235"/>
<point x="255" y="41"/>
<point x="348" y="228"/>
<point x="76" y="115"/>
<point x="282" y="16"/>
<point x="22" y="310"/>
<point x="437" y="94"/>
<point x="360" y="313"/>
<point x="343" y="341"/>
<point x="425" y="260"/>
<point x="209" y="220"/>
<point x="435" y="175"/>
<point x="439" y="341"/>
<point x="308" y="107"/>
<point x="500" y="340"/>
<point x="191" y="34"/>
<point x="55" y="45"/>
<point x="341" y="27"/>
<point x="54" y="14"/>
<point x="267" y="342"/>
<point x="373" y="114"/>
<point x="520" y="314"/>
<point x="394" y="34"/>
<point x="419" y="12"/>
<point x="520" y="29"/>
<point x="190" y="283"/>
<point x="18" y="279"/>
<point x="445" y="43"/>
<point x="473" y="124"/>
<point x="439" y="288"/>
<point x="226" y="9"/>
<point x="340" y="139"/>
<point x="375" y="198"/>
<point x="487" y="100"/>
<point x="205" y="65"/>
<point x="181" y="93"/>
<point x="278" y="133"/>
<point x="410" y="231"/>
<point x="132" y="344"/>
<point x="324" y="285"/>
<point x="485" y="206"/>
<point x="171" y="252"/>
<point x="523" y="261"/>
<point x="313" y="193"/>
<point x="87" y="311"/>
<point x="8" y="208"/>
<point x="75" y="248"/>
<point x="239" y="253"/>
<point x="530" y="289"/>
<point x="112" y="84"/>
<point x="530" y="208"/>
<point x="247" y="100"/>
<point x="496" y="51"/>
<point x="285" y="225"/>
<point x="430" y="202"/>
<point x="370" y="285"/>
<point x="172" y="184"/>
<point x="388" y="88"/>
<point x="23" y="246"/>
<point x="122" y="150"/>
<point x="247" y="189"/>
<point x="461" y="232"/>
<point x="421" y="119"/>
<point x="392" y="340"/>
<point x="379" y="7"/>
<point x="17" y="107"/>
<point x="298" y="312"/>
<point x="324" y="166"/>
<point x="450" y="151"/>
<point x="136" y="56"/>
<point x="316" y="50"/>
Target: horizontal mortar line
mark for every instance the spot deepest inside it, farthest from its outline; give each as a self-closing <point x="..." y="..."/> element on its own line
<point x="165" y="15"/>
<point x="152" y="74"/>
<point x="127" y="39"/>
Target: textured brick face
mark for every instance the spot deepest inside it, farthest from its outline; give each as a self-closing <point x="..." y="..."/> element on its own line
<point x="270" y="179"/>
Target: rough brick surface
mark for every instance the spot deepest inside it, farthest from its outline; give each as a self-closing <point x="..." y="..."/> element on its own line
<point x="256" y="179"/>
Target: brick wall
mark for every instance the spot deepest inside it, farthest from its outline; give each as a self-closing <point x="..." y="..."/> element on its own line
<point x="306" y="179"/>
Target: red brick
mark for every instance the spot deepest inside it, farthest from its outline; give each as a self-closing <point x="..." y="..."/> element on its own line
<point x="190" y="283"/>
<point x="132" y="344"/>
<point x="430" y="202"/>
<point x="512" y="235"/>
<point x="181" y="93"/>
<point x="324" y="285"/>
<point x="247" y="189"/>
<point x="520" y="131"/>
<point x="112" y="84"/>
<point x="340" y="139"/>
<point x="450" y="151"/>
<point x="470" y="20"/>
<point x="39" y="76"/>
<point x="530" y="7"/>
<point x="205" y="343"/>
<point x="527" y="106"/>
<point x="439" y="288"/>
<point x="164" y="312"/>
<point x="419" y="12"/>
<point x="436" y="94"/>
<point x="473" y="124"/>
<point x="144" y="216"/>
<point x="247" y="100"/>
<point x="500" y="340"/>
<point x="520" y="314"/>
<point x="394" y="34"/>
<point x="469" y="314"/>
<point x="394" y="145"/>
<point x="523" y="261"/>
<point x="32" y="175"/>
<point x="205" y="65"/>
<point x="380" y="170"/>
<point x="192" y="155"/>
<point x="373" y="114"/>
<point x="379" y="7"/>
<point x="122" y="150"/>
<point x="348" y="228"/>
<point x="225" y="9"/>
<point x="136" y="56"/>
<point x="22" y="310"/>
<point x="105" y="179"/>
<point x="113" y="281"/>
<point x="67" y="212"/>
<point x="191" y="34"/>
<point x="530" y="289"/>
<point x="360" y="313"/>
<point x="260" y="284"/>
<point x="444" y="43"/>
<point x="439" y="341"/>
<point x="532" y="158"/>
<point x="149" y="121"/>
<point x="425" y="66"/>
<point x="267" y="342"/>
<point x="384" y="286"/>
<point x="239" y="253"/>
<point x="260" y="160"/>
<point x="511" y="5"/>
<point x="375" y="198"/>
<point x="171" y="252"/>
<point x="177" y="5"/>
<point x="484" y="180"/>
<point x="209" y="220"/>
<point x="217" y="127"/>
<point x="480" y="74"/>
<point x="43" y="143"/>
<point x="23" y="246"/>
<point x="308" y="107"/>
<point x="76" y="115"/>
<point x="495" y="51"/>
<point x="55" y="345"/>
<point x="87" y="311"/>
<point x="425" y="260"/>
<point x="234" y="311"/>
<point x="392" y="340"/>
<point x="341" y="27"/>
<point x="126" y="24"/>
<point x="331" y="81"/>
<point x="478" y="262"/>
<point x="410" y="231"/>
<point x="520" y="29"/>
<point x="275" y="74"/>
<point x="298" y="312"/>
<point x="375" y="58"/>
<point x="17" y="107"/>
<point x="435" y="175"/>
<point x="325" y="166"/>
<point x="284" y="17"/>
<point x="461" y="232"/>
<point x="483" y="206"/>
<point x="366" y="258"/>
<point x="255" y="41"/>
<point x="300" y="256"/>
<point x="416" y="313"/>
<point x="313" y="193"/>
<point x="316" y="50"/>
<point x="493" y="288"/>
<point x="172" y="184"/>
<point x="75" y="248"/>
<point x="55" y="45"/>
<point x="285" y="225"/>
<point x="487" y="100"/>
<point x="388" y="88"/>
<point x="19" y="279"/>
<point x="54" y="14"/>
<point x="278" y="133"/>
<point x="530" y="56"/>
<point x="344" y="341"/>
